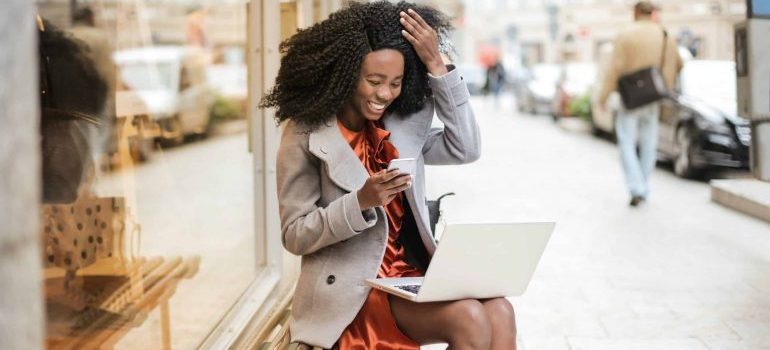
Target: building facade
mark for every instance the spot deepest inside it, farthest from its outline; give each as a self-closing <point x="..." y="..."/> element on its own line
<point x="558" y="31"/>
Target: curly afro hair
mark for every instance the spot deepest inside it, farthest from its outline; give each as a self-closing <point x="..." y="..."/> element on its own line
<point x="72" y="98"/>
<point x="320" y="66"/>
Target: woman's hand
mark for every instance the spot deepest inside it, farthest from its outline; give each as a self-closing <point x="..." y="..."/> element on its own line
<point x="380" y="188"/>
<point x="424" y="40"/>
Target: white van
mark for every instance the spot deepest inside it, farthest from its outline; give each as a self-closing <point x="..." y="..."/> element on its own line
<point x="168" y="85"/>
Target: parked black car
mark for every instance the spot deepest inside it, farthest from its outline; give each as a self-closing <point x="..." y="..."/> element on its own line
<point x="699" y="125"/>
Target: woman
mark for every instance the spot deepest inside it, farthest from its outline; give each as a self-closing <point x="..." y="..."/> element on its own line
<point x="359" y="90"/>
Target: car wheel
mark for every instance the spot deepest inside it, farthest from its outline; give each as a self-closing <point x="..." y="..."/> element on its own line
<point x="683" y="166"/>
<point x="140" y="148"/>
<point x="171" y="134"/>
<point x="595" y="130"/>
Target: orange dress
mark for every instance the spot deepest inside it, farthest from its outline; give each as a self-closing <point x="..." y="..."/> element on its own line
<point x="374" y="326"/>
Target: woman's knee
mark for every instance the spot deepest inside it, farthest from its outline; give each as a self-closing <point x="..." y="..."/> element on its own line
<point x="500" y="310"/>
<point x="472" y="328"/>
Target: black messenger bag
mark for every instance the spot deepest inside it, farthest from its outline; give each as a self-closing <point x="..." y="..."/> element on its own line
<point x="645" y="85"/>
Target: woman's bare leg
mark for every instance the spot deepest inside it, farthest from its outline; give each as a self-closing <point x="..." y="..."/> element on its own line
<point x="463" y="324"/>
<point x="503" y="319"/>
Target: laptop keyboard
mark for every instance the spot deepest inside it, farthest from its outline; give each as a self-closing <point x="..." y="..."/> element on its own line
<point x="411" y="288"/>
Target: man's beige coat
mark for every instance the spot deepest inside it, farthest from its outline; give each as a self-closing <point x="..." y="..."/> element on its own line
<point x="640" y="46"/>
<point x="318" y="176"/>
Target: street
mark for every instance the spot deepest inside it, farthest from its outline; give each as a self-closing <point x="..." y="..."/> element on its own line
<point x="678" y="272"/>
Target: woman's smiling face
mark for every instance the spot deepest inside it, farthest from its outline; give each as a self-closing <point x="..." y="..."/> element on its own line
<point x="382" y="73"/>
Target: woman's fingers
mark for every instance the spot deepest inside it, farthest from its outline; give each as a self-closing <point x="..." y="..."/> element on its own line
<point x="402" y="180"/>
<point x="424" y="39"/>
<point x="390" y="195"/>
<point x="388" y="175"/>
<point x="411" y="24"/>
<point x="417" y="18"/>
<point x="396" y="190"/>
<point x="380" y="176"/>
<point x="410" y="32"/>
<point x="382" y="187"/>
<point x="411" y="39"/>
<point x="386" y="184"/>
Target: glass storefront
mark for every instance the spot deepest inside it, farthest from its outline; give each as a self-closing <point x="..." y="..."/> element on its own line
<point x="149" y="228"/>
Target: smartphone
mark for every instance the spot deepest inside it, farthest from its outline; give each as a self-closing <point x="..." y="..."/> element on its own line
<point x="404" y="165"/>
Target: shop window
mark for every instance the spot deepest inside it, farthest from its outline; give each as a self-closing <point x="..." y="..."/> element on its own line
<point x="149" y="229"/>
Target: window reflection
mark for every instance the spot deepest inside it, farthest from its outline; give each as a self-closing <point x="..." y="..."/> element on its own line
<point x="147" y="223"/>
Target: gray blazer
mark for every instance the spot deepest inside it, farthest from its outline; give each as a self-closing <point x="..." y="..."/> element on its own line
<point x="341" y="246"/>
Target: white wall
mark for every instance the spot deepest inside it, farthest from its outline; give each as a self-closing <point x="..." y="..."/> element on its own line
<point x="21" y="300"/>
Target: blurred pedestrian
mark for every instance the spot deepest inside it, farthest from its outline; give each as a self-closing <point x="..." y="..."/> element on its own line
<point x="495" y="80"/>
<point x="644" y="44"/>
<point x="195" y="27"/>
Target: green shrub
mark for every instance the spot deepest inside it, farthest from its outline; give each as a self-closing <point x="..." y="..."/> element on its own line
<point x="225" y="109"/>
<point x="580" y="107"/>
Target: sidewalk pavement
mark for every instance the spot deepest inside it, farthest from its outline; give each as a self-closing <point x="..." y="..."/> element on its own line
<point x="679" y="272"/>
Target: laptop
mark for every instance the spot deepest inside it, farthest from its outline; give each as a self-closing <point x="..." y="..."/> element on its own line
<point x="476" y="261"/>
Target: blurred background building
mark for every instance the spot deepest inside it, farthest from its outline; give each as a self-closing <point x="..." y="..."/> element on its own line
<point x="555" y="31"/>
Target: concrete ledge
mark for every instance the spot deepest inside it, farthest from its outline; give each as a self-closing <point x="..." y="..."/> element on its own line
<point x="748" y="196"/>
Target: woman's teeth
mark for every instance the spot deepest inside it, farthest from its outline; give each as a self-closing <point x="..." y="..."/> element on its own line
<point x="376" y="106"/>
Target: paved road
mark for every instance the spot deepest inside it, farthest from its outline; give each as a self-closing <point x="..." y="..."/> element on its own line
<point x="679" y="272"/>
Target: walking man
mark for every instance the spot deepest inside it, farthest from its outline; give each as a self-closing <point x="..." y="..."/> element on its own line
<point x="643" y="44"/>
<point x="495" y="80"/>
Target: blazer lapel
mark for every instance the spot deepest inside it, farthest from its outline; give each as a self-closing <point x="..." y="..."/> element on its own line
<point x="345" y="169"/>
<point x="407" y="134"/>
